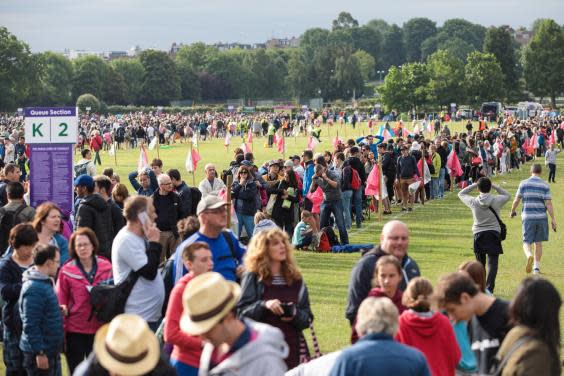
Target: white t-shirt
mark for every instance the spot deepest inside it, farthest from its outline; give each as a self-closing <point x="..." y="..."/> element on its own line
<point x="147" y="297"/>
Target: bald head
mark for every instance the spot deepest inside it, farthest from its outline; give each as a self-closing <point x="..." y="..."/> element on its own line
<point x="394" y="239"/>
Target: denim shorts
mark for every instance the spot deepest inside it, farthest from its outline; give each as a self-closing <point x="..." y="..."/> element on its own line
<point x="535" y="230"/>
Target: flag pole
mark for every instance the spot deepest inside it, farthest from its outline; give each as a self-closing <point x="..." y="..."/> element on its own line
<point x="115" y="153"/>
<point x="380" y="199"/>
<point x="228" y="199"/>
<point x="158" y="143"/>
<point x="193" y="168"/>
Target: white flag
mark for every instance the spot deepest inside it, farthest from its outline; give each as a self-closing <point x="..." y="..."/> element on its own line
<point x="153" y="143"/>
<point x="112" y="150"/>
<point x="195" y="140"/>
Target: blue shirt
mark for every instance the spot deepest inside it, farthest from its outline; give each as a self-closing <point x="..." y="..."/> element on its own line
<point x="533" y="192"/>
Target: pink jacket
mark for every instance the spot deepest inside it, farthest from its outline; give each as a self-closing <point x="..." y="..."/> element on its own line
<point x="72" y="291"/>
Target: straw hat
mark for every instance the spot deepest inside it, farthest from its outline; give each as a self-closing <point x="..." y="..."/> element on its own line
<point x="126" y="346"/>
<point x="206" y="300"/>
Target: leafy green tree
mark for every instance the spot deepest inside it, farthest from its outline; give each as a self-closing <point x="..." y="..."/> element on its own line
<point x="344" y="21"/>
<point x="347" y="77"/>
<point x="196" y="55"/>
<point x="190" y="87"/>
<point x="415" y="32"/>
<point x="229" y="67"/>
<point x="366" y="63"/>
<point x="367" y="39"/>
<point x="89" y="76"/>
<point x="446" y="76"/>
<point x="393" y="50"/>
<point x="544" y="61"/>
<point x="265" y="75"/>
<point x="379" y="25"/>
<point x="483" y="78"/>
<point x="393" y="91"/>
<point x="298" y="74"/>
<point x="132" y="72"/>
<point x="160" y="82"/>
<point x="499" y="42"/>
<point x="88" y="100"/>
<point x="115" y="88"/>
<point x="56" y="80"/>
<point x="19" y="71"/>
<point x="457" y="47"/>
<point x="415" y="81"/>
<point x="457" y="36"/>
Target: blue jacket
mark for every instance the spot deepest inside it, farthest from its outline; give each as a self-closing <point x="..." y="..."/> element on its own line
<point x="63" y="245"/>
<point x="10" y="287"/>
<point x="42" y="321"/>
<point x="138" y="188"/>
<point x="378" y="353"/>
<point x="308" y="174"/>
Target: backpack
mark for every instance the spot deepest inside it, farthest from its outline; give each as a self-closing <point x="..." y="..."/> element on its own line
<point x="108" y="301"/>
<point x="331" y="236"/>
<point x="81" y="169"/>
<point x="324" y="244"/>
<point x="431" y="167"/>
<point x="196" y="197"/>
<point x="355" y="180"/>
<point x="8" y="219"/>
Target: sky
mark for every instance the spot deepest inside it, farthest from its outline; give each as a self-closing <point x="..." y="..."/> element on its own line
<point x="105" y="25"/>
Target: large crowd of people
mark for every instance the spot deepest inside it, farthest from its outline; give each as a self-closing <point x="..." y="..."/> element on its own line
<point x="206" y="277"/>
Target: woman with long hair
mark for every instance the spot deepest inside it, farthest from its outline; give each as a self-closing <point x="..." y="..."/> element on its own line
<point x="273" y="290"/>
<point x="47" y="223"/>
<point x="83" y="271"/>
<point x="532" y="347"/>
<point x="428" y="331"/>
<point x="286" y="192"/>
<point x="244" y="192"/>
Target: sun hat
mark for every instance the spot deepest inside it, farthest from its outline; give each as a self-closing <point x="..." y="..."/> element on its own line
<point x="206" y="300"/>
<point x="209" y="202"/>
<point x="127" y="346"/>
<point x="288" y="164"/>
<point x="415" y="146"/>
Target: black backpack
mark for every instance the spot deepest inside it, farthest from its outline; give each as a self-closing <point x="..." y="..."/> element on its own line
<point x="81" y="169"/>
<point x="8" y="219"/>
<point x="331" y="236"/>
<point x="108" y="301"/>
<point x="224" y="175"/>
<point x="431" y="167"/>
<point x="196" y="197"/>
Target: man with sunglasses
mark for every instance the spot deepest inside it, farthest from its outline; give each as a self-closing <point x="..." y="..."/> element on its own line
<point x="394" y="241"/>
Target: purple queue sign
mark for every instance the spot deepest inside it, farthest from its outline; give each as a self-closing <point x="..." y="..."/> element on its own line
<point x="51" y="170"/>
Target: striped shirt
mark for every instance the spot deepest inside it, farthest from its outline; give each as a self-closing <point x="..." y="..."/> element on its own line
<point x="533" y="191"/>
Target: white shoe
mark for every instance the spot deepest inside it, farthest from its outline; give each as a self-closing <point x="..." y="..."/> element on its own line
<point x="536" y="271"/>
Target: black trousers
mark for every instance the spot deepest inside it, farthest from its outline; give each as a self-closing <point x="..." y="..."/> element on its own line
<point x="551" y="172"/>
<point x="492" y="268"/>
<point x="79" y="346"/>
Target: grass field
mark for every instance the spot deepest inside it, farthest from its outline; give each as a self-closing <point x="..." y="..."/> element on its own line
<point x="440" y="232"/>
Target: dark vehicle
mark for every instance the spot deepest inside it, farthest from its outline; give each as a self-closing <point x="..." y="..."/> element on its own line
<point x="491" y="110"/>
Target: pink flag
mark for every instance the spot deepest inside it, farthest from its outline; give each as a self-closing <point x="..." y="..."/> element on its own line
<point x="250" y="136"/>
<point x="534" y="142"/>
<point x="405" y="132"/>
<point x="453" y="164"/>
<point x="416" y="129"/>
<point x="373" y="182"/>
<point x="312" y="143"/>
<point x="280" y="143"/>
<point x="429" y="127"/>
<point x="143" y="161"/>
<point x="227" y="139"/>
<point x="245" y="148"/>
<point x="387" y="134"/>
<point x="336" y="142"/>
<point x="527" y="146"/>
<point x="552" y="139"/>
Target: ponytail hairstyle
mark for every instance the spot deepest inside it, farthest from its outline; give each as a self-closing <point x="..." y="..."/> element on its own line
<point x="418" y="295"/>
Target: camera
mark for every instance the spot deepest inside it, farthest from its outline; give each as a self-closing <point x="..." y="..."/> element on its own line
<point x="288" y="309"/>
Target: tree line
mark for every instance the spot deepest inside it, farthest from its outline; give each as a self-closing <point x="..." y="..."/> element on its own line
<point x="424" y="65"/>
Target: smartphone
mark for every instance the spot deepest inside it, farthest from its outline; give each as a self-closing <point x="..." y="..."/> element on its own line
<point x="144" y="218"/>
<point x="288" y="309"/>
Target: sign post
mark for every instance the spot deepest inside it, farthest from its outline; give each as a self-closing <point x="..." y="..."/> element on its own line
<point x="51" y="133"/>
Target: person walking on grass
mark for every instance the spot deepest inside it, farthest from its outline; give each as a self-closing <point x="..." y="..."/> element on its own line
<point x="537" y="201"/>
<point x="486" y="228"/>
<point x="550" y="161"/>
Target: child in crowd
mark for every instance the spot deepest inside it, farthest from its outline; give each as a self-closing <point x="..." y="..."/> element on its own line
<point x="305" y="230"/>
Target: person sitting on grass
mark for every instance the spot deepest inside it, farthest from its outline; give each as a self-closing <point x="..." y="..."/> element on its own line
<point x="305" y="231"/>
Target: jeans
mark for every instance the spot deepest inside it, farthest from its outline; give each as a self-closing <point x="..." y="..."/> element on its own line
<point x="434" y="188"/>
<point x="335" y="207"/>
<point x="552" y="172"/>
<point x="248" y="222"/>
<point x="493" y="261"/>
<point x="13" y="356"/>
<point x="441" y="192"/>
<point x="183" y="369"/>
<point x="357" y="204"/>
<point x="97" y="157"/>
<point x="346" y="197"/>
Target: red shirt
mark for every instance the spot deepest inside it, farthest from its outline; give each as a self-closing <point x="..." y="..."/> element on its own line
<point x="187" y="349"/>
<point x="434" y="337"/>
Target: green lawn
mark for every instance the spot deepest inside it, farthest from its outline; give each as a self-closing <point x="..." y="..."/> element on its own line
<point x="441" y="235"/>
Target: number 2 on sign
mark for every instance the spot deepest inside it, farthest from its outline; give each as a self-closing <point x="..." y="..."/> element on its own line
<point x="63" y="131"/>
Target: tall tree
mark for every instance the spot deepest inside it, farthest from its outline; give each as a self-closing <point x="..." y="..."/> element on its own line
<point x="393" y="91"/>
<point x="483" y="78"/>
<point x="366" y="63"/>
<point x="367" y="39"/>
<point x="379" y="25"/>
<point x="415" y="32"/>
<point x="344" y="21"/>
<point x="19" y="71"/>
<point x="347" y="77"/>
<point x="499" y="42"/>
<point x="160" y="83"/>
<point x="132" y="72"/>
<point x="115" y="88"/>
<point x="89" y="76"/>
<point x="446" y="76"/>
<point x="196" y="55"/>
<point x="56" y="80"/>
<point x="415" y="81"/>
<point x="393" y="50"/>
<point x="544" y="61"/>
<point x="190" y="87"/>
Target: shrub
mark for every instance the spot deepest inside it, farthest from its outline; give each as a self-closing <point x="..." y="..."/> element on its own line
<point x="88" y="100"/>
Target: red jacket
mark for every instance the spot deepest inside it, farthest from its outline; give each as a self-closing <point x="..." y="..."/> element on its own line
<point x="96" y="142"/>
<point x="72" y="291"/>
<point x="434" y="337"/>
<point x="187" y="349"/>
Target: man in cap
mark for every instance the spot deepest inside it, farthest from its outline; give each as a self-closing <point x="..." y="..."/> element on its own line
<point x="298" y="168"/>
<point x="95" y="213"/>
<point x="227" y="251"/>
<point x="233" y="346"/>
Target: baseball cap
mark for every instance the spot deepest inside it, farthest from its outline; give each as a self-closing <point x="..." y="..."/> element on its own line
<point x="288" y="164"/>
<point x="209" y="202"/>
<point x="84" y="180"/>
